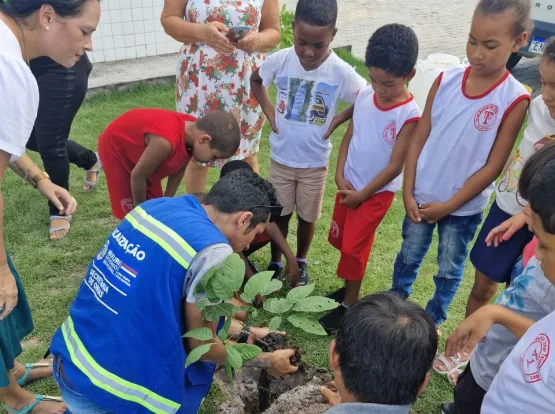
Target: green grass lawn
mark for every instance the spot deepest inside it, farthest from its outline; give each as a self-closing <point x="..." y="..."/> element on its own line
<point x="52" y="271"/>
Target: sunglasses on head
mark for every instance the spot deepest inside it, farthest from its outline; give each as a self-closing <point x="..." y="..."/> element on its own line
<point x="275" y="211"/>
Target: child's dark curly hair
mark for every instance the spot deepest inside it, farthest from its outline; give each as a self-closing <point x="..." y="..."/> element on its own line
<point x="317" y="12"/>
<point x="537" y="185"/>
<point x="394" y="49"/>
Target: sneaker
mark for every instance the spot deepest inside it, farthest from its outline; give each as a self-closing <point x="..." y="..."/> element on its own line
<point x="303" y="274"/>
<point x="338" y="295"/>
<point x="331" y="321"/>
<point x="277" y="269"/>
<point x="448" y="408"/>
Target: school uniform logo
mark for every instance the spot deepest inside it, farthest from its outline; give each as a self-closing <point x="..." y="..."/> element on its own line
<point x="533" y="358"/>
<point x="334" y="230"/>
<point x="486" y="118"/>
<point x="390" y="133"/>
<point x="127" y="204"/>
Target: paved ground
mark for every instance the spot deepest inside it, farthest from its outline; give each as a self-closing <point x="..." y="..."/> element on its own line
<point x="441" y="26"/>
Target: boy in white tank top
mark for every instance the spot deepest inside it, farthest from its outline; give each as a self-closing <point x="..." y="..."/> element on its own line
<point x="525" y="382"/>
<point x="371" y="158"/>
<point x="466" y="134"/>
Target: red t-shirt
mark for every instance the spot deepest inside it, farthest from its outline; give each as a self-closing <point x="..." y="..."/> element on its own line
<point x="529" y="251"/>
<point x="123" y="141"/>
<point x="261" y="238"/>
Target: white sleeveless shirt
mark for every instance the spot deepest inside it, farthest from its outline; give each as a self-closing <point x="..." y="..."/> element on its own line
<point x="374" y="136"/>
<point x="463" y="131"/>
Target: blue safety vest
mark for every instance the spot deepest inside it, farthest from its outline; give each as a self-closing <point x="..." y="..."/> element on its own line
<point x="121" y="345"/>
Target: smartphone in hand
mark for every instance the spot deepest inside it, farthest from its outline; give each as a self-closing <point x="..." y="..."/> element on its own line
<point x="236" y="33"/>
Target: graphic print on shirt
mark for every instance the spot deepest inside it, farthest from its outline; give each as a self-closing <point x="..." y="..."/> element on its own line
<point x="512" y="297"/>
<point x="109" y="273"/>
<point x="513" y="169"/>
<point x="533" y="358"/>
<point x="304" y="101"/>
<point x="486" y="117"/>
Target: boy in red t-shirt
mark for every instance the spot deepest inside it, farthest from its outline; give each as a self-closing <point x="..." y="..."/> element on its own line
<point x="143" y="146"/>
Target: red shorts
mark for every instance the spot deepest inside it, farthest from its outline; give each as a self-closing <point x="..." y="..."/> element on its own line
<point x="118" y="181"/>
<point x="352" y="233"/>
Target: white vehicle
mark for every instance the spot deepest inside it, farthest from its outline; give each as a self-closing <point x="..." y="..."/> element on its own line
<point x="543" y="15"/>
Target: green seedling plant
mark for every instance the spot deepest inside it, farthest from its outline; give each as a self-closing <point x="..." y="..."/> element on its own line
<point x="216" y="290"/>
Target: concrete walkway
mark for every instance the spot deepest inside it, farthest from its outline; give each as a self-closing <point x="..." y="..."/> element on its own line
<point x="441" y="25"/>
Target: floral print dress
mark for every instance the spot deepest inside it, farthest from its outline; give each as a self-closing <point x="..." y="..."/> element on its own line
<point x="207" y="80"/>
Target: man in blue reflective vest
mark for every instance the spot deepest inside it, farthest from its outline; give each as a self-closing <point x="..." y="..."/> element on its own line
<point x="120" y="350"/>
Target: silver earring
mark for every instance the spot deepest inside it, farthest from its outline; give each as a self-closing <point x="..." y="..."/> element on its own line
<point x="47" y="27"/>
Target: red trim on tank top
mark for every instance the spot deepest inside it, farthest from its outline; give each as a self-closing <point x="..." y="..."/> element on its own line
<point x="486" y="93"/>
<point x="512" y="106"/>
<point x="389" y="108"/>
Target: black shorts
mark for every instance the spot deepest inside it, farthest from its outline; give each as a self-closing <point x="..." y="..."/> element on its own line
<point x="497" y="262"/>
<point x="468" y="394"/>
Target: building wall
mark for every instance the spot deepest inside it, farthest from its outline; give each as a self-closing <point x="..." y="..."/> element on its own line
<point x="131" y="29"/>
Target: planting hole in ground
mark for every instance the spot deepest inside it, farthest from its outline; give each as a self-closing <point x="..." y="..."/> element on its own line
<point x="254" y="391"/>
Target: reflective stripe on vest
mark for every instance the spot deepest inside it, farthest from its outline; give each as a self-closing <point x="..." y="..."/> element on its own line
<point x="109" y="382"/>
<point x="165" y="237"/>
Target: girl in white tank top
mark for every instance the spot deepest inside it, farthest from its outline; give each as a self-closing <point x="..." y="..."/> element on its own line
<point x="469" y="126"/>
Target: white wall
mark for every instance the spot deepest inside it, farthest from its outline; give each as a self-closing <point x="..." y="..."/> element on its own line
<point x="130" y="29"/>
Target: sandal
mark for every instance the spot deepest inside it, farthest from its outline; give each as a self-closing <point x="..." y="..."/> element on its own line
<point x="67" y="227"/>
<point x="96" y="170"/>
<point x="453" y="363"/>
<point x="452" y="381"/>
<point x="28" y="369"/>
<point x="38" y="399"/>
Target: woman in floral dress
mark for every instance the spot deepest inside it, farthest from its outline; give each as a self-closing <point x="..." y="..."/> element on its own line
<point x="214" y="73"/>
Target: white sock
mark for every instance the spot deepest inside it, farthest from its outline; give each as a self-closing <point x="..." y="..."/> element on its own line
<point x="345" y="306"/>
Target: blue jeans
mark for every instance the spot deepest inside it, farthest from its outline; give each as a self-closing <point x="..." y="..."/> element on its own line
<point x="455" y="234"/>
<point x="76" y="403"/>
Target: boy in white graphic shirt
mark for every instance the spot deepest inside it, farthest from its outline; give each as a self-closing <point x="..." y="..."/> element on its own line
<point x="311" y="80"/>
<point x="371" y="158"/>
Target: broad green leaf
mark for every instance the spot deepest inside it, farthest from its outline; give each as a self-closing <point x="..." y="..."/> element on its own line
<point x="200" y="290"/>
<point x="244" y="308"/>
<point x="234" y="270"/>
<point x="212" y="296"/>
<point x="254" y="314"/>
<point x="200" y="334"/>
<point x="197" y="353"/>
<point x="315" y="304"/>
<point x="208" y="275"/>
<point x="275" y="323"/>
<point x="224" y="332"/>
<point x="223" y="287"/>
<point x="247" y="351"/>
<point x="299" y="293"/>
<point x="233" y="357"/>
<point x="277" y="306"/>
<point x="213" y="313"/>
<point x="306" y="324"/>
<point x="229" y="372"/>
<point x="245" y="298"/>
<point x="257" y="284"/>
<point x="272" y="287"/>
<point x="203" y="303"/>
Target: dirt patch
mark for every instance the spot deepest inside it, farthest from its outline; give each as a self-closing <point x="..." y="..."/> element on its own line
<point x="254" y="391"/>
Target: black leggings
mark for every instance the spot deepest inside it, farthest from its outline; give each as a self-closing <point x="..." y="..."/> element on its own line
<point x="62" y="92"/>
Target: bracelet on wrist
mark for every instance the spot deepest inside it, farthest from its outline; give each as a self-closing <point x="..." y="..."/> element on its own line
<point x="38" y="178"/>
<point x="25" y="179"/>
